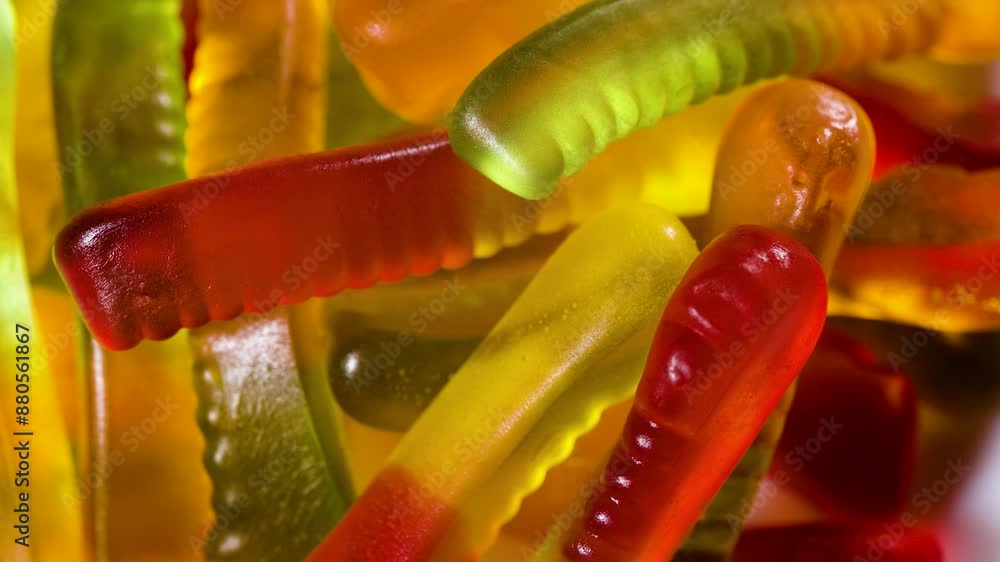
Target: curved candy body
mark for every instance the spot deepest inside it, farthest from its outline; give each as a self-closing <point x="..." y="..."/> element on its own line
<point x="500" y="423"/>
<point x="265" y="429"/>
<point x="272" y="448"/>
<point x="396" y="345"/>
<point x="796" y="157"/>
<point x="152" y="263"/>
<point x="930" y="256"/>
<point x="735" y="333"/>
<point x="864" y="415"/>
<point x="55" y="519"/>
<point x="39" y="191"/>
<point x="259" y="83"/>
<point x="119" y="102"/>
<point x="613" y="66"/>
<point x="119" y="131"/>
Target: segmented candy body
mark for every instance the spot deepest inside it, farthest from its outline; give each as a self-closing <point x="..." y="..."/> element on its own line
<point x="735" y="334"/>
<point x="565" y="93"/>
<point x="120" y="131"/>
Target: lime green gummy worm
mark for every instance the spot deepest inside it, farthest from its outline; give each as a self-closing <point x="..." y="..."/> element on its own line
<point x="555" y="100"/>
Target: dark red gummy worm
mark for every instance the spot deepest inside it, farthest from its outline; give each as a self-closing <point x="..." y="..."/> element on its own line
<point x="734" y="335"/>
<point x="895" y="540"/>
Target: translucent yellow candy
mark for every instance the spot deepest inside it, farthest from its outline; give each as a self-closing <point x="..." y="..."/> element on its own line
<point x="35" y="137"/>
<point x="53" y="531"/>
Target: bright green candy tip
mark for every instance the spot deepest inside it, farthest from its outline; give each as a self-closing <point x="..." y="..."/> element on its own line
<point x="506" y="164"/>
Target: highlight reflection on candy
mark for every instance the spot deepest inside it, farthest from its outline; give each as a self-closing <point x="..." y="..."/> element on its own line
<point x="272" y="449"/>
<point x="805" y="152"/>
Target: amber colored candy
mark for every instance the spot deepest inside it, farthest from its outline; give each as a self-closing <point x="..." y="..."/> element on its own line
<point x="796" y="157"/>
<point x="417" y="56"/>
<point x="923" y="249"/>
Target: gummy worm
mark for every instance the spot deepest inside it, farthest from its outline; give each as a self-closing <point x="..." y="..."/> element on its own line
<point x="552" y="102"/>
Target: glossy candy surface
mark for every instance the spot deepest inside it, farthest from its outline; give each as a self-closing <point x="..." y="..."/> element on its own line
<point x="796" y="157"/>
<point x="343" y="220"/>
<point x="513" y="409"/>
<point x="119" y="105"/>
<point x="591" y="78"/>
<point x="707" y="379"/>
<point x="272" y="440"/>
<point x="849" y="440"/>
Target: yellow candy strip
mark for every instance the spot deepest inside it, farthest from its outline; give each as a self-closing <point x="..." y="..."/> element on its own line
<point x="515" y="407"/>
<point x="37" y="465"/>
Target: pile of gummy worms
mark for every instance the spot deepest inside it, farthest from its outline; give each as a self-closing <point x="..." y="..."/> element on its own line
<point x="543" y="280"/>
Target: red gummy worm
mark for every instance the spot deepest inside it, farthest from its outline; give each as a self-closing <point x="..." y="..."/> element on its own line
<point x="274" y="233"/>
<point x="850" y="437"/>
<point x="734" y="335"/>
<point x="893" y="541"/>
